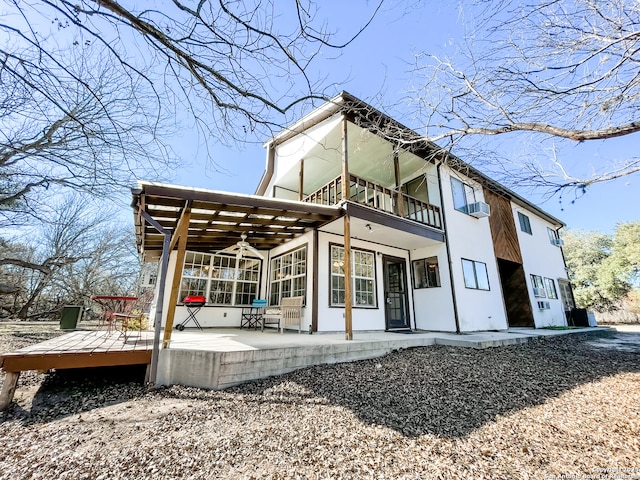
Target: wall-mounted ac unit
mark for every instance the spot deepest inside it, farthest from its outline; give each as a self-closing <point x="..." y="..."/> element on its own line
<point x="538" y="292"/>
<point x="558" y="242"/>
<point x="544" y="305"/>
<point x="478" y="209"/>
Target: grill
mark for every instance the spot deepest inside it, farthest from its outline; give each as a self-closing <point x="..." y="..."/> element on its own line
<point x="193" y="303"/>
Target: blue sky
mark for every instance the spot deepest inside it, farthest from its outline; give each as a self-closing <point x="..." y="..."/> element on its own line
<point x="376" y="68"/>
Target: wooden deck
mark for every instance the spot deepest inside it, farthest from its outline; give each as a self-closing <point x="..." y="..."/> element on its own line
<point x="78" y="349"/>
<point x="81" y="349"/>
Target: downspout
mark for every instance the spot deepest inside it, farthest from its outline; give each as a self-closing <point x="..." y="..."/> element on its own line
<point x="446" y="242"/>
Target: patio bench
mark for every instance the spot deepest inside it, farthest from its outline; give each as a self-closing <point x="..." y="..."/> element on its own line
<point x="289" y="313"/>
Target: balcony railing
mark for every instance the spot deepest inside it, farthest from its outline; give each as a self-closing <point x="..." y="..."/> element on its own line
<point x="378" y="197"/>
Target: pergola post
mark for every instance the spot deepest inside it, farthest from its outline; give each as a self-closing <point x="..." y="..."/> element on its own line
<point x="301" y="181"/>
<point x="348" y="282"/>
<point x="315" y="282"/>
<point x="396" y="171"/>
<point x="345" y="178"/>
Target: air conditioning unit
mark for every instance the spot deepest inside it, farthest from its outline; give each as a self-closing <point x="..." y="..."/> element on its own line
<point x="538" y="292"/>
<point x="558" y="242"/>
<point x="478" y="209"/>
<point x="544" y="305"/>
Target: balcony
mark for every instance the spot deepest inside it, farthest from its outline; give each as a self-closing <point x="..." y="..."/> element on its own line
<point x="381" y="198"/>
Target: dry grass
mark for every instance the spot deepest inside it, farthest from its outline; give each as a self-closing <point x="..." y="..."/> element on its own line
<point x="560" y="406"/>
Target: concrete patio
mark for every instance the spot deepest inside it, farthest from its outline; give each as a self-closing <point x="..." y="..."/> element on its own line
<point x="222" y="357"/>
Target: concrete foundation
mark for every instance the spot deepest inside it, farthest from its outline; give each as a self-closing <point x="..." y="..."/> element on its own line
<point x="226" y="357"/>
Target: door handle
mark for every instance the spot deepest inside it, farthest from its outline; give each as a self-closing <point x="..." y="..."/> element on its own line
<point x="389" y="300"/>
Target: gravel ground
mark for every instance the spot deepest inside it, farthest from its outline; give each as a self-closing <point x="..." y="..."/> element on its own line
<point x="557" y="406"/>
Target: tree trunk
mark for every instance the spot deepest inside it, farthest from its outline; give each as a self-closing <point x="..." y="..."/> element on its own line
<point x="24" y="311"/>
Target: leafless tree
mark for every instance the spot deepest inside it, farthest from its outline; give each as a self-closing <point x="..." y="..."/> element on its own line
<point x="567" y="71"/>
<point x="84" y="127"/>
<point x="239" y="61"/>
<point x="77" y="252"/>
<point x="85" y="86"/>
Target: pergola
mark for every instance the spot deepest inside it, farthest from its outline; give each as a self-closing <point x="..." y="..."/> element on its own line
<point x="212" y="220"/>
<point x="169" y="217"/>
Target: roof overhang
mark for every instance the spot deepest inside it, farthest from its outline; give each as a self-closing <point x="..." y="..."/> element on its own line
<point x="217" y="219"/>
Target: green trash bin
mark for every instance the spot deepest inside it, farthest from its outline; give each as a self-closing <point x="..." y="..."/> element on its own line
<point x="71" y="315"/>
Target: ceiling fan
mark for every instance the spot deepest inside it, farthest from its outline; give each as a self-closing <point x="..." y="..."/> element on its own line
<point x="242" y="249"/>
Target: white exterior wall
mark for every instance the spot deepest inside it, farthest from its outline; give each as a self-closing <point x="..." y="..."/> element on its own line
<point x="540" y="257"/>
<point x="331" y="319"/>
<point x="470" y="238"/>
<point x="434" y="306"/>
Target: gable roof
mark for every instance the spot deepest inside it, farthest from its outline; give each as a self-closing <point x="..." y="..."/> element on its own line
<point x="368" y="117"/>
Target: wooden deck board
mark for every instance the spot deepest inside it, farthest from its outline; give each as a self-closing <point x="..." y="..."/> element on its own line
<point x="81" y="349"/>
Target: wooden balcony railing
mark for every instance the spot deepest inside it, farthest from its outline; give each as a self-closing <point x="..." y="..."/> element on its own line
<point x="378" y="197"/>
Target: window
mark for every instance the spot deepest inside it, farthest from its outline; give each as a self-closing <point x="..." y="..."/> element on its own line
<point x="221" y="279"/>
<point x="538" y="286"/>
<point x="553" y="236"/>
<point x="475" y="274"/>
<point x="417" y="188"/>
<point x="426" y="273"/>
<point x="363" y="273"/>
<point x="463" y="195"/>
<point x="551" y="288"/>
<point x="288" y="275"/>
<point x="525" y="225"/>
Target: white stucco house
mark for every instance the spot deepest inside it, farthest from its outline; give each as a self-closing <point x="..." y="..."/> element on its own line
<point x="432" y="243"/>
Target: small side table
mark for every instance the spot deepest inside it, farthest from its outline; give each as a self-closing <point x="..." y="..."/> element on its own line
<point x="252" y="316"/>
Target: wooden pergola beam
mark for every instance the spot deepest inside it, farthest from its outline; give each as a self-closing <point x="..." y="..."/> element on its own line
<point x="181" y="234"/>
<point x="348" y="282"/>
<point x="182" y="226"/>
<point x="396" y="172"/>
<point x="345" y="160"/>
<point x="301" y="181"/>
<point x="348" y="295"/>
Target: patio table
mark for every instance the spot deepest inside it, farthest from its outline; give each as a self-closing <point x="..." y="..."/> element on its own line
<point x="112" y="306"/>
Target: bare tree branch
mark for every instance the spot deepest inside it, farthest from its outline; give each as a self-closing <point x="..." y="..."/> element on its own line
<point x="558" y="70"/>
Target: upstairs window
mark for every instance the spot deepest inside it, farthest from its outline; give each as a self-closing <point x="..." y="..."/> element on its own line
<point x="426" y="273"/>
<point x="525" y="224"/>
<point x="553" y="236"/>
<point x="463" y="195"/>
<point x="475" y="274"/>
<point x="417" y="188"/>
<point x="551" y="288"/>
<point x="538" y="286"/>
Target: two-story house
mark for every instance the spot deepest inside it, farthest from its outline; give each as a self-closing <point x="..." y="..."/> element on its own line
<point x="375" y="227"/>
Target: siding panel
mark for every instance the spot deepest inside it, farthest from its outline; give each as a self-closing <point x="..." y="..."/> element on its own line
<point x="503" y="228"/>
